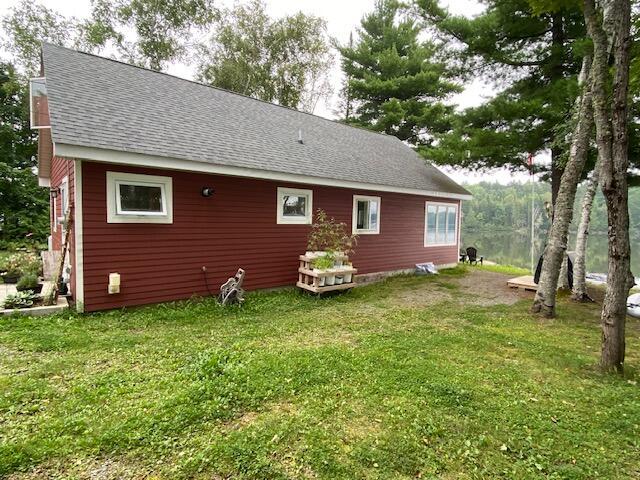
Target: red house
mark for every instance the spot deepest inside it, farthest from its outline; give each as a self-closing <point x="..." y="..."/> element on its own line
<point x="161" y="176"/>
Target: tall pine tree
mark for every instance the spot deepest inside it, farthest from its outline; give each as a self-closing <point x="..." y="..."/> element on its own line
<point x="396" y="83"/>
<point x="533" y="57"/>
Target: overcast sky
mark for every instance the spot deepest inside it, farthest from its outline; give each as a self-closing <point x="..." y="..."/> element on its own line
<point x="342" y="17"/>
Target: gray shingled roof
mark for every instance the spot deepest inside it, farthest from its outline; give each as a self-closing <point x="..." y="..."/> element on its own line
<point x="97" y="102"/>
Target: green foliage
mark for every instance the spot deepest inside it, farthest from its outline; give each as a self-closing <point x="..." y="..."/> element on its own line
<point x="533" y="56"/>
<point x="401" y="379"/>
<point x="164" y="30"/>
<point x="23" y="204"/>
<point x="27" y="25"/>
<point x="18" y="264"/>
<point x="505" y="207"/>
<point x="28" y="281"/>
<point x="396" y="82"/>
<point x="283" y="60"/>
<point x="143" y="32"/>
<point x="329" y="235"/>
<point x="324" y="262"/>
<point x="496" y="207"/>
<point x="20" y="299"/>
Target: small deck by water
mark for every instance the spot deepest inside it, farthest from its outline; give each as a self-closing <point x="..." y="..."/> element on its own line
<point x="523" y="283"/>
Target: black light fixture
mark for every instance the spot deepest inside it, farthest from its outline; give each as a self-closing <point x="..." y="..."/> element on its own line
<point x="54" y="192"/>
<point x="207" y="191"/>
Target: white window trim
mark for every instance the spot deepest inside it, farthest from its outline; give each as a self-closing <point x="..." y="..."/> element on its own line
<point x="114" y="213"/>
<point x="284" y="220"/>
<point x="64" y="199"/>
<point x="31" y="122"/>
<point x="457" y="232"/>
<point x="354" y="216"/>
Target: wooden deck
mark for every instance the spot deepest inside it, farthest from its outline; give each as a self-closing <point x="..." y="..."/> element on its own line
<point x="523" y="283"/>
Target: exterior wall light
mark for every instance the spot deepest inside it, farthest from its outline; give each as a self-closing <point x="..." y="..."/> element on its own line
<point x="207" y="191"/>
<point x="54" y="192"/>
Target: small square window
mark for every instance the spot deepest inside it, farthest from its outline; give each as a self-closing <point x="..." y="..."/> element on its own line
<point x="133" y="198"/>
<point x="366" y="215"/>
<point x="294" y="206"/>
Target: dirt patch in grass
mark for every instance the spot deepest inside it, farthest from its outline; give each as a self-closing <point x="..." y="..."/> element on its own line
<point x="83" y="469"/>
<point x="484" y="288"/>
<point x="477" y="287"/>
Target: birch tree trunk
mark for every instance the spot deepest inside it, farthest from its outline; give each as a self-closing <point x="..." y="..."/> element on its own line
<point x="611" y="119"/>
<point x="544" y="302"/>
<point x="580" y="264"/>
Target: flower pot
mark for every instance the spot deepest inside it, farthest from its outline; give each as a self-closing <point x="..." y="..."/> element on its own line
<point x="339" y="279"/>
<point x="36" y="289"/>
<point x="321" y="280"/>
<point x="330" y="280"/>
<point x="7" y="278"/>
<point x="348" y="277"/>
<point x="338" y="262"/>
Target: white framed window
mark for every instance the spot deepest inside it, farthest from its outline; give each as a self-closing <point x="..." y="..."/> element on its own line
<point x="440" y="224"/>
<point x="38" y="103"/>
<point x="64" y="202"/>
<point x="366" y="215"/>
<point x="135" y="198"/>
<point x="295" y="206"/>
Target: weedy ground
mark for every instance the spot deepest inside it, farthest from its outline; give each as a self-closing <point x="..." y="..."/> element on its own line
<point x="414" y="377"/>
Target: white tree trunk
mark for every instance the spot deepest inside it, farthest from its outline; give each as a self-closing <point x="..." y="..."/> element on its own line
<point x="544" y="302"/>
<point x="610" y="100"/>
<point x="580" y="264"/>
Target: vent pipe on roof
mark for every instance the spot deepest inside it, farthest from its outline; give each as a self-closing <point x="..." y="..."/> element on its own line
<point x="300" y="137"/>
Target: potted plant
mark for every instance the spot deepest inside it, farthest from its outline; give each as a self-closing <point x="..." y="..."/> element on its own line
<point x="29" y="281"/>
<point x="20" y="300"/>
<point x="328" y="235"/>
<point x="18" y="264"/>
<point x="321" y="264"/>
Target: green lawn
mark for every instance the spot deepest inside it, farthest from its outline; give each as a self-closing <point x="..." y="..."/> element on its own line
<point x="415" y="377"/>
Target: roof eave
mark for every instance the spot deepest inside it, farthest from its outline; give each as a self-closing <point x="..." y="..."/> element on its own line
<point x="153" y="161"/>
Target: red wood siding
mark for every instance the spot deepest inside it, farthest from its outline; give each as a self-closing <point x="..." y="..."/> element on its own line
<point x="236" y="227"/>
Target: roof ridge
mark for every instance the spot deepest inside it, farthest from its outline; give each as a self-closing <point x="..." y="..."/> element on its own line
<point x="357" y="127"/>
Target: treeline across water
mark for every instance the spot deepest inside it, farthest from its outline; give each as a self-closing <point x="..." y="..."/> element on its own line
<point x="497" y="221"/>
<point x="497" y="207"/>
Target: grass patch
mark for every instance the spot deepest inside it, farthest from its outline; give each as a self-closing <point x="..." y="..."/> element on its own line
<point x="506" y="269"/>
<point x="291" y="386"/>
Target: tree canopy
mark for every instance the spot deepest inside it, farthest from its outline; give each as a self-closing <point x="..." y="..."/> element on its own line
<point x="23" y="204"/>
<point x="532" y="53"/>
<point x="397" y="84"/>
<point x="283" y="60"/>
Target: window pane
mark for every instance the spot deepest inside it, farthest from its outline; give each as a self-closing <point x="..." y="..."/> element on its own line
<point x="373" y="215"/>
<point x="363" y="215"/>
<point x="294" y="206"/>
<point x="451" y="225"/>
<point x="431" y="224"/>
<point x="140" y="198"/>
<point x="442" y="222"/>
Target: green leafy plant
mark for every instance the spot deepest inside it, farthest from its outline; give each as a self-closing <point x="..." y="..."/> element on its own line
<point x="20" y="300"/>
<point x="324" y="262"/>
<point x="329" y="235"/>
<point x="28" y="281"/>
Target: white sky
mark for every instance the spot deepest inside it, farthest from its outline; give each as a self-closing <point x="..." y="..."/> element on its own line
<point x="342" y="16"/>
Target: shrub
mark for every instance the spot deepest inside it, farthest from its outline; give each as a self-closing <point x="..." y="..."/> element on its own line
<point x="21" y="263"/>
<point x="20" y="300"/>
<point x="329" y="235"/>
<point x="28" y="281"/>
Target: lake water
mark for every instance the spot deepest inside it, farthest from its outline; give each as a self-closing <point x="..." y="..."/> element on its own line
<point x="514" y="248"/>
